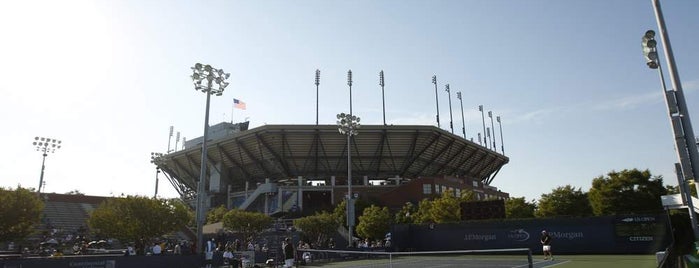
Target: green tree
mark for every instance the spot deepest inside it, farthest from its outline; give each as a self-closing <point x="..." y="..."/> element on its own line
<point x="446" y="208"/>
<point x="564" y="201"/>
<point x="627" y="191"/>
<point x="374" y="223"/>
<point x="340" y="213"/>
<point x="318" y="228"/>
<point x="423" y="215"/>
<point x="20" y="211"/>
<point x="405" y="214"/>
<point x="467" y="195"/>
<point x="135" y="217"/>
<point x="248" y="224"/>
<point x="517" y="208"/>
<point x="216" y="215"/>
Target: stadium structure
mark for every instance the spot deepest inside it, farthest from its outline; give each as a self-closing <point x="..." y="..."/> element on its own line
<point x="303" y="168"/>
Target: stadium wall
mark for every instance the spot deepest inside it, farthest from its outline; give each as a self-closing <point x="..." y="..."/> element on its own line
<point x="637" y="234"/>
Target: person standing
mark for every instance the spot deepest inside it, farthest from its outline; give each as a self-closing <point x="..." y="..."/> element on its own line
<point x="546" y="243"/>
<point x="209" y="252"/>
<point x="288" y="253"/>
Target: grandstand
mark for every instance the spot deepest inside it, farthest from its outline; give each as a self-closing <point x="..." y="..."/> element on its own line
<point x="283" y="168"/>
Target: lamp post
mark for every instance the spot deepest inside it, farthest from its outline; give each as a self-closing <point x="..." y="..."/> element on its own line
<point x="45" y="146"/>
<point x="691" y="171"/>
<point x="502" y="143"/>
<point x="485" y="140"/>
<point x="155" y="159"/>
<point x="169" y="138"/>
<point x="492" y="126"/>
<point x="383" y="100"/>
<point x="317" y="84"/>
<point x="177" y="140"/>
<point x="451" y="118"/>
<point x="349" y="125"/>
<point x="349" y="83"/>
<point x="463" y="121"/>
<point x="677" y="111"/>
<point x="210" y="81"/>
<point x="436" y="97"/>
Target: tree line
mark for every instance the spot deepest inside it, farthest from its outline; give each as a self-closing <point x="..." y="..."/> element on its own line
<point x="136" y="218"/>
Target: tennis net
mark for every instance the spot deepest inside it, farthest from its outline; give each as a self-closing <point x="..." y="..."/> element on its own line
<point x="505" y="258"/>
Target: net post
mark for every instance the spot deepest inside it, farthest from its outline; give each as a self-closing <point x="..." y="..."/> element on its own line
<point x="390" y="259"/>
<point x="529" y="258"/>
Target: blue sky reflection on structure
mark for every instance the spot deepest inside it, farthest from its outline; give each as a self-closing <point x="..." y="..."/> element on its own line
<point x="108" y="78"/>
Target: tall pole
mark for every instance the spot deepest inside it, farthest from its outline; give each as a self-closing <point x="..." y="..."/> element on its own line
<point x="492" y="126"/>
<point x="690" y="170"/>
<point x="436" y="97"/>
<point x="211" y="75"/>
<point x="463" y="121"/>
<point x="485" y="140"/>
<point x="169" y="138"/>
<point x="349" y="124"/>
<point x="317" y="83"/>
<point x="41" y="178"/>
<point x="451" y="118"/>
<point x="502" y="143"/>
<point x="157" y="171"/>
<point x="45" y="146"/>
<point x="383" y="100"/>
<point x="156" y="159"/>
<point x="349" y="83"/>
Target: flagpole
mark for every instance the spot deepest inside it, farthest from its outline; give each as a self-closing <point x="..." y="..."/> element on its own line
<point x="232" y="110"/>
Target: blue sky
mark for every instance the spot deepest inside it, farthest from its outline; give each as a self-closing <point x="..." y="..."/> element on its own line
<point x="108" y="78"/>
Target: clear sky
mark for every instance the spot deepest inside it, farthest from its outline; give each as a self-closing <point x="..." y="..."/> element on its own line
<point x="109" y="78"/>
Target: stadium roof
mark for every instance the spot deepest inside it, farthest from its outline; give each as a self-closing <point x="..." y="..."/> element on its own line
<point x="320" y="151"/>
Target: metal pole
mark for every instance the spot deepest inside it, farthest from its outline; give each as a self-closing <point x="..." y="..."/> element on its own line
<point x="383" y="100"/>
<point x="451" y="118"/>
<point x="687" y="194"/>
<point x="485" y="140"/>
<point x="693" y="171"/>
<point x="492" y="126"/>
<point x="436" y="97"/>
<point x="463" y="121"/>
<point x="502" y="143"/>
<point x="157" y="171"/>
<point x="201" y="192"/>
<point x="349" y="83"/>
<point x="169" y="138"/>
<point x="317" y="83"/>
<point x="41" y="178"/>
<point x="349" y="189"/>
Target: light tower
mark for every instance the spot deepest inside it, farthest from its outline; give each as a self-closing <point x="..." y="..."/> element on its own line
<point x="463" y="121"/>
<point x="155" y="159"/>
<point x="45" y="146"/>
<point x="210" y="81"/>
<point x="451" y="118"/>
<point x="349" y="125"/>
<point x="436" y="97"/>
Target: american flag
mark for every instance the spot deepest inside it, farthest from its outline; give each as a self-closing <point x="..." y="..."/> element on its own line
<point x="238" y="104"/>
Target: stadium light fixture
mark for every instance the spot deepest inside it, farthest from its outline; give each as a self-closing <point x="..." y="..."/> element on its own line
<point x="502" y="143"/>
<point x="463" y="121"/>
<point x="649" y="49"/>
<point x="349" y="83"/>
<point x="485" y="140"/>
<point x="210" y="81"/>
<point x="436" y="97"/>
<point x="383" y="100"/>
<point x="492" y="126"/>
<point x="317" y="84"/>
<point x="45" y="146"/>
<point x="451" y="118"/>
<point x="348" y="124"/>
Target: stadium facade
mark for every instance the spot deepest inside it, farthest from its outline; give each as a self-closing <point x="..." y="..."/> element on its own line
<point x="287" y="168"/>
